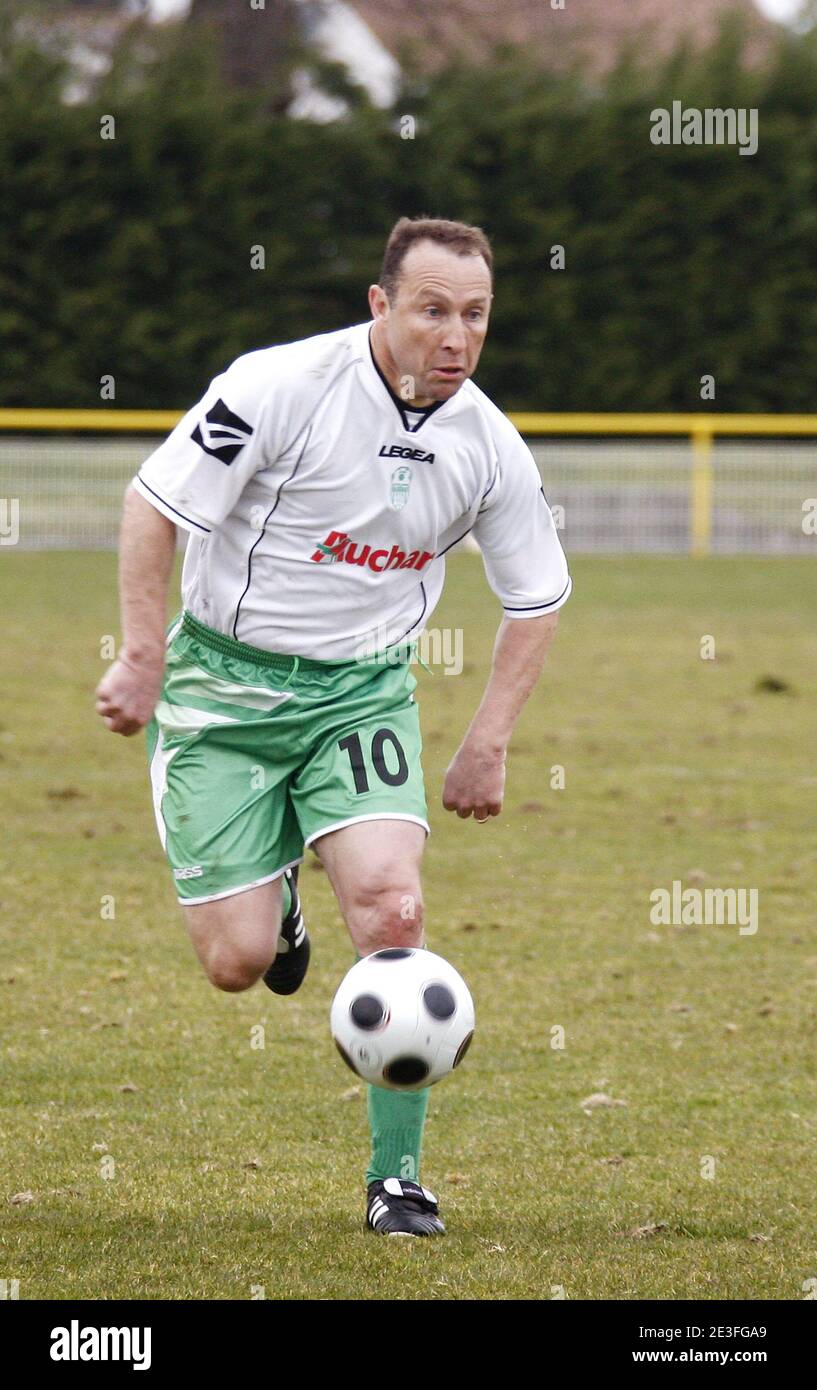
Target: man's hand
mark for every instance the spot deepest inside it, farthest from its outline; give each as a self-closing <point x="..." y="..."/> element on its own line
<point x="127" y="694"/>
<point x="475" y="781"/>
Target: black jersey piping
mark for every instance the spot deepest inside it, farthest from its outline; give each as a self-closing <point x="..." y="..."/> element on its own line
<point x="281" y="487"/>
<point x="531" y="607"/>
<point x="159" y="498"/>
<point x="490" y="486"/>
<point x="474" y="522"/>
<point x="308" y="421"/>
<point x="440" y="553"/>
<point x="416" y="620"/>
<point x="306" y="427"/>
<point x="422" y="410"/>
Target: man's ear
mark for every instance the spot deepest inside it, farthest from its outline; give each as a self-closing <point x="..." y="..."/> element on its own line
<point x="378" y="301"/>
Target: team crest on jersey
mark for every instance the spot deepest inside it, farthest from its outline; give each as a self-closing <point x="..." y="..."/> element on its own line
<point x="399" y="490"/>
<point x="222" y="433"/>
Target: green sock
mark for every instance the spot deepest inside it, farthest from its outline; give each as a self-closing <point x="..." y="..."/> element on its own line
<point x="396" y="1119"/>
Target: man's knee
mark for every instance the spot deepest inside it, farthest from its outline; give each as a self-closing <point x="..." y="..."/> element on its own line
<point x="235" y="938"/>
<point x="233" y="971"/>
<point x="387" y="914"/>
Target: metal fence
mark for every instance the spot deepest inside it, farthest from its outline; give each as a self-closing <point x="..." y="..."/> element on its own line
<point x="639" y="496"/>
<point x="617" y="483"/>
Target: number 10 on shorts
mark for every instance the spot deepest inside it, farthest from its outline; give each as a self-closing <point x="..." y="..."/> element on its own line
<point x="381" y="740"/>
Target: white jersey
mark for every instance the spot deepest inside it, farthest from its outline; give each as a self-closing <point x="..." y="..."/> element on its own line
<point x="320" y="506"/>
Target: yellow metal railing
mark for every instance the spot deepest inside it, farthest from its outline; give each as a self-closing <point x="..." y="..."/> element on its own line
<point x="106" y="421"/>
<point x="701" y="430"/>
<point x="578" y="422"/>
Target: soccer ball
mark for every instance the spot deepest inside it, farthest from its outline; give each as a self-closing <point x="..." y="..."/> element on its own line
<point x="402" y="1018"/>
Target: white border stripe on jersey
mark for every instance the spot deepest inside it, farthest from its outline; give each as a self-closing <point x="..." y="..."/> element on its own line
<point x="375" y="815"/>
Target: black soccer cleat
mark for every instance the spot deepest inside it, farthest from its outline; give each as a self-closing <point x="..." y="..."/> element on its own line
<point x="287" y="971"/>
<point x="399" y="1208"/>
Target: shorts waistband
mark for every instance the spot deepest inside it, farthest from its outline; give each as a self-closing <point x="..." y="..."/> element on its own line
<point x="276" y="661"/>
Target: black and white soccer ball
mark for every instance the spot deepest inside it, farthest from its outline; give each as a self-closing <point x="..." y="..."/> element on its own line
<point x="402" y="1018"/>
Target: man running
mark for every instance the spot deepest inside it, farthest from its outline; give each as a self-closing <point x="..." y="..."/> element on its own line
<point x="322" y="483"/>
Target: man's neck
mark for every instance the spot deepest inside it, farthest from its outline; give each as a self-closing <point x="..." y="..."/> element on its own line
<point x="388" y="367"/>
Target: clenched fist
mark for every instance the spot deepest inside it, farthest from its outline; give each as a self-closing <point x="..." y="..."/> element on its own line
<point x="475" y="782"/>
<point x="127" y="694"/>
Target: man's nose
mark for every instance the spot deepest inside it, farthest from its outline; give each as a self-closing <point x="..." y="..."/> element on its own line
<point x="454" y="337"/>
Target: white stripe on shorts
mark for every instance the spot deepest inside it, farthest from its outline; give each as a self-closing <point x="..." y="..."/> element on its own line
<point x="244" y="888"/>
<point x="158" y="779"/>
<point x="188" y="680"/>
<point x="375" y="815"/>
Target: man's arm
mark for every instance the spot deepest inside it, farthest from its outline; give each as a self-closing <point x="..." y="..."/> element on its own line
<point x="475" y="779"/>
<point x="127" y="694"/>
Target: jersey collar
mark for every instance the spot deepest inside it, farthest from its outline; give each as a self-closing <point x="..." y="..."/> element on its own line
<point x="412" y="417"/>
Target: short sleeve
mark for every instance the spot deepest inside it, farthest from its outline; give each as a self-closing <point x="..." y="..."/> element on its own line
<point x="524" y="561"/>
<point x="198" y="474"/>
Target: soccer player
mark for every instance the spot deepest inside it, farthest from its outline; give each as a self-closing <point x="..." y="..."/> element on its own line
<point x="322" y="484"/>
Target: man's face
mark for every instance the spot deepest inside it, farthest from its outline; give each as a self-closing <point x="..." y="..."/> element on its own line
<point x="432" y="334"/>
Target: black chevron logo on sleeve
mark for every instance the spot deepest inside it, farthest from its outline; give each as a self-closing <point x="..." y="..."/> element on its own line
<point x="222" y="433"/>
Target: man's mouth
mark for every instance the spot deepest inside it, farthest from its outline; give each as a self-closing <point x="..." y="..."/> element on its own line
<point x="449" y="371"/>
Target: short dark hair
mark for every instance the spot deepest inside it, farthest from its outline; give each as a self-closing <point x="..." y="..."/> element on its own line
<point x="458" y="236"/>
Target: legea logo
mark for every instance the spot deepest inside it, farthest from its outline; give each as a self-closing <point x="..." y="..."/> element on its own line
<point x="401" y="451"/>
<point x="339" y="546"/>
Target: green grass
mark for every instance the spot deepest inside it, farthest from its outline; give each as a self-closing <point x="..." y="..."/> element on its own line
<point x="675" y="767"/>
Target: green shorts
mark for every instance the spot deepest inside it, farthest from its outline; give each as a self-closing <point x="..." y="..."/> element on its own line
<point x="254" y="755"/>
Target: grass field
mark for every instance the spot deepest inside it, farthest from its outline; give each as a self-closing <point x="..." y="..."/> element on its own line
<point x="236" y="1168"/>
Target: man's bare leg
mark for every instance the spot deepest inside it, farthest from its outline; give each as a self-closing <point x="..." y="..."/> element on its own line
<point x="374" y="869"/>
<point x="235" y="938"/>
